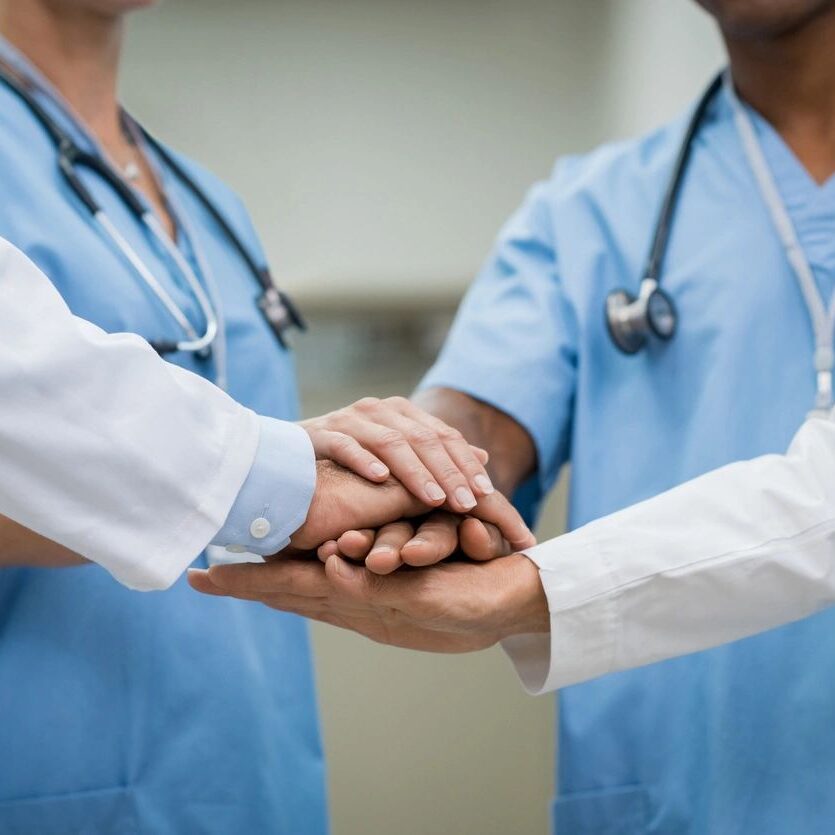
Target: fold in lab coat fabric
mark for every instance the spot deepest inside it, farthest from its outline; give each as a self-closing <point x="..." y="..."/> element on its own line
<point x="743" y="549"/>
<point x="131" y="462"/>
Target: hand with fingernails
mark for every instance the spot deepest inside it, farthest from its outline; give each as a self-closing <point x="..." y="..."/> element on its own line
<point x="398" y="488"/>
<point x="422" y="542"/>
<point x="393" y="437"/>
<point x="344" y="501"/>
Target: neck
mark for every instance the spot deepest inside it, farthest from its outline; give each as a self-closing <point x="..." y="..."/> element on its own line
<point x="790" y="80"/>
<point x="78" y="50"/>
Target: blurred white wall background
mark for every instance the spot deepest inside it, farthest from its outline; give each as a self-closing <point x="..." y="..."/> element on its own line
<point x="379" y="144"/>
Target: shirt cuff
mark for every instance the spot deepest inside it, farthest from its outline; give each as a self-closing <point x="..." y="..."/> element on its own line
<point x="275" y="498"/>
<point x="578" y="584"/>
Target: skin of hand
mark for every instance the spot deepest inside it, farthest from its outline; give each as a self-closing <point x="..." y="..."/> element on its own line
<point x="511" y="448"/>
<point x="345" y="501"/>
<point x="451" y="607"/>
<point x="512" y="459"/>
<point x="436" y="538"/>
<point x="21" y="546"/>
<point x="377" y="438"/>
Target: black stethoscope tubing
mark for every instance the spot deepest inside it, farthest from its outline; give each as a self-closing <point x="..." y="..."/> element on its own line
<point x="277" y="307"/>
<point x="630" y="319"/>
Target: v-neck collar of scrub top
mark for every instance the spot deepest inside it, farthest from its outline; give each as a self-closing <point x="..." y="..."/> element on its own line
<point x="61" y="110"/>
<point x="63" y="113"/>
<point x="810" y="205"/>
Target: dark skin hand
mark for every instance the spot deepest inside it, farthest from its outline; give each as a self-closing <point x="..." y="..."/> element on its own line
<point x="438" y="536"/>
<point x="343" y="501"/>
<point x="452" y="607"/>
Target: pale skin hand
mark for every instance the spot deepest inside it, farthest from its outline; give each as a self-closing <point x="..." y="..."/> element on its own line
<point x="344" y="501"/>
<point x="452" y="607"/>
<point x="377" y="438"/>
<point x="512" y="459"/>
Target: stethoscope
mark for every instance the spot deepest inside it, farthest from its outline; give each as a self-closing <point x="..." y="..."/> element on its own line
<point x="632" y="320"/>
<point x="278" y="309"/>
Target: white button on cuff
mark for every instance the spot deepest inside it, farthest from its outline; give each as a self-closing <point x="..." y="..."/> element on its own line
<point x="236" y="549"/>
<point x="260" y="527"/>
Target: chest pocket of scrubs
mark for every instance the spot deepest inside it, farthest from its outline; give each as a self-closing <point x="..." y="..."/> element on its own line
<point x="621" y="811"/>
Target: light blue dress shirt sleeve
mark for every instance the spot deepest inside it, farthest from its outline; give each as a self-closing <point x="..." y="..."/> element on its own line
<point x="513" y="343"/>
<point x="275" y="498"/>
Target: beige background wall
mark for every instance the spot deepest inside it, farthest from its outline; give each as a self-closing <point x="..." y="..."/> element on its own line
<point x="379" y="144"/>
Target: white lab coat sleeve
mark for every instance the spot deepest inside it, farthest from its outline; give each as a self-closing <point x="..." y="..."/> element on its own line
<point x="105" y="448"/>
<point x="735" y="552"/>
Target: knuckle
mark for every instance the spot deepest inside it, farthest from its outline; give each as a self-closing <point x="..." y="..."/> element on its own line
<point x="397" y="402"/>
<point x="401" y="528"/>
<point x="392" y="439"/>
<point x="367" y="404"/>
<point x="422" y="436"/>
<point x="450" y="473"/>
<point x="342" y="442"/>
<point x="451" y="435"/>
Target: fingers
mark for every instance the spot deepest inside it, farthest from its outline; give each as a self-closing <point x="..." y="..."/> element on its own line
<point x="498" y="511"/>
<point x="257" y="579"/>
<point x="356" y="544"/>
<point x="327" y="549"/>
<point x="348" y="452"/>
<point x="467" y="458"/>
<point x="481" y="454"/>
<point x="416" y="453"/>
<point x="481" y="540"/>
<point x="432" y="460"/>
<point x="435" y="540"/>
<point x="385" y="555"/>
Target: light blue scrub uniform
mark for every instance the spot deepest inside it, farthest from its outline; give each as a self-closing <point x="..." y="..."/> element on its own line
<point x="740" y="739"/>
<point x="172" y="712"/>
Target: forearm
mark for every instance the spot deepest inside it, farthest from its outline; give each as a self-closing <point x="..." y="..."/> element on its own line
<point x="104" y="447"/>
<point x="738" y="551"/>
<point x="512" y="453"/>
<point x="20" y="546"/>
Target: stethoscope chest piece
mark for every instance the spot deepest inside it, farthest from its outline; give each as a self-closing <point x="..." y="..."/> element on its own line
<point x="281" y="314"/>
<point x="630" y="319"/>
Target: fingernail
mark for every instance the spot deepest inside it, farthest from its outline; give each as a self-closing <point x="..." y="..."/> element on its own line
<point x="415" y="543"/>
<point x="381" y="549"/>
<point x="341" y="568"/>
<point x="484" y="484"/>
<point x="465" y="498"/>
<point x="435" y="493"/>
<point x="378" y="470"/>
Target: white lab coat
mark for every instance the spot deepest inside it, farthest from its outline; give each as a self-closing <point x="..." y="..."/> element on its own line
<point x="104" y="448"/>
<point x="743" y="549"/>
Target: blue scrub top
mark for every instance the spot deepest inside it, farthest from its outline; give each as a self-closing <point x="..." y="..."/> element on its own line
<point x="740" y="739"/>
<point x="165" y="712"/>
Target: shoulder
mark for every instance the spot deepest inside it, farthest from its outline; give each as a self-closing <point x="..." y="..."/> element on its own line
<point x="610" y="170"/>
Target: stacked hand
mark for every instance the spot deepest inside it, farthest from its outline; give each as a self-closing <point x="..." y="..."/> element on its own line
<point x="398" y="489"/>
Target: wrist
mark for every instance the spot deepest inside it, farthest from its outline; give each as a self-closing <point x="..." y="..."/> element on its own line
<point x="526" y="610"/>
